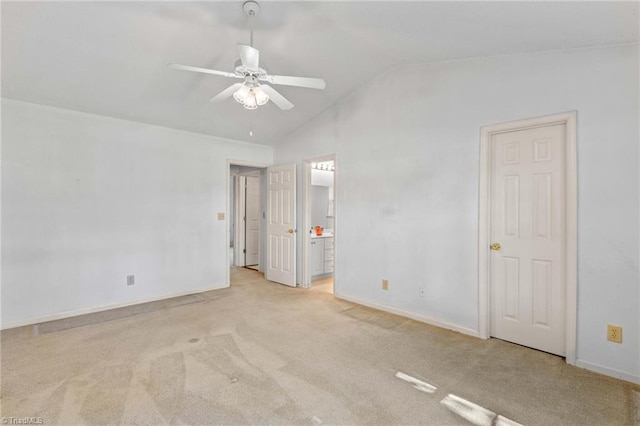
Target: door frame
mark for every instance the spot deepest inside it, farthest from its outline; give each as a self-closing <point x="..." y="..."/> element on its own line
<point x="231" y="162"/>
<point x="306" y="218"/>
<point x="569" y="119"/>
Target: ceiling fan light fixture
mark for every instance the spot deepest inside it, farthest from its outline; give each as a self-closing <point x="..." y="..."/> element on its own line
<point x="250" y="101"/>
<point x="251" y="96"/>
<point x="261" y="97"/>
<point x="241" y="94"/>
<point x="250" y="93"/>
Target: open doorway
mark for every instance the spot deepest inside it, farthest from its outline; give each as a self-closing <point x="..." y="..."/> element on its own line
<point x="246" y="212"/>
<point x="246" y="232"/>
<point x="319" y="220"/>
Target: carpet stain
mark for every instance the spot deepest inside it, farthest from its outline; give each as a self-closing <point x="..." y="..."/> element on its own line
<point x="115" y="314"/>
<point x="235" y="378"/>
<point x="221" y="353"/>
<point x="45" y="403"/>
<point x="165" y="383"/>
<point x="375" y="317"/>
<point x="319" y="381"/>
<point x="105" y="400"/>
<point x="54" y="404"/>
<point x="198" y="410"/>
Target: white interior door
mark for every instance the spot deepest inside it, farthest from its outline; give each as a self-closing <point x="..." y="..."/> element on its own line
<point x="239" y="240"/>
<point x="281" y="228"/>
<point x="527" y="271"/>
<point x="252" y="224"/>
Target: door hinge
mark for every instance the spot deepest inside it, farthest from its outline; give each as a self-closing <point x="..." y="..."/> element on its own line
<point x="244" y="251"/>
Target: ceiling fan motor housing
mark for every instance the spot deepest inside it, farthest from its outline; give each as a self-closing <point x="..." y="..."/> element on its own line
<point x="244" y="72"/>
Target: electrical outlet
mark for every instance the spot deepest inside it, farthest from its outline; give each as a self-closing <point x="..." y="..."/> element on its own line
<point x="614" y="333"/>
<point x="220" y="216"/>
<point x="131" y="279"/>
<point x="385" y="284"/>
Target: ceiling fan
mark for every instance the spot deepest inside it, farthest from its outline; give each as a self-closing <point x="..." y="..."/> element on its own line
<point x="254" y="91"/>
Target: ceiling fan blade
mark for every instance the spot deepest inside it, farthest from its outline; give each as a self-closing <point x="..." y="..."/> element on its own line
<point x="311" y="83"/>
<point x="203" y="70"/>
<point x="249" y="56"/>
<point x="226" y="93"/>
<point x="282" y="102"/>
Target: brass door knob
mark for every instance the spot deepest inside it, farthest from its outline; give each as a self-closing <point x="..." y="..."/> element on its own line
<point x="495" y="246"/>
<point x="290" y="231"/>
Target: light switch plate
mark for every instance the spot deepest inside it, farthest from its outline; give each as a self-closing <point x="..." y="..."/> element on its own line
<point x="220" y="216"/>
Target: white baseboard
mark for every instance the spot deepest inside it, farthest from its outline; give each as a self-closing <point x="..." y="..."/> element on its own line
<point x="77" y="312"/>
<point x="608" y="371"/>
<point x="417" y="317"/>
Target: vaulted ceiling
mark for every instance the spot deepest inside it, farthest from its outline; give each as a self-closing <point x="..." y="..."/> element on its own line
<point x="110" y="58"/>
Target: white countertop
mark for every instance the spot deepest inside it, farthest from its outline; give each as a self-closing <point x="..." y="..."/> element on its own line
<point x="324" y="235"/>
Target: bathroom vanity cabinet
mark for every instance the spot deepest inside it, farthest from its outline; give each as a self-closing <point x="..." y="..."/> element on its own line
<point x="321" y="255"/>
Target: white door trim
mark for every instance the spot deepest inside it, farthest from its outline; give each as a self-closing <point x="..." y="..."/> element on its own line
<point x="486" y="132"/>
<point x="306" y="218"/>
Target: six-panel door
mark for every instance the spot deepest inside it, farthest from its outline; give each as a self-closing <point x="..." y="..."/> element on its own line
<point x="528" y="219"/>
<point x="281" y="229"/>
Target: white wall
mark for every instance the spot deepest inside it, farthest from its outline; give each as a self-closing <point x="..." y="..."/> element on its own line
<point x="407" y="147"/>
<point x="88" y="200"/>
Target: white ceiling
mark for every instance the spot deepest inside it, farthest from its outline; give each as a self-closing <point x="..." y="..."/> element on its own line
<point x="110" y="58"/>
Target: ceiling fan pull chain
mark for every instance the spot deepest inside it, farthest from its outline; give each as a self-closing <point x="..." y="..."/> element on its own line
<point x="251" y="123"/>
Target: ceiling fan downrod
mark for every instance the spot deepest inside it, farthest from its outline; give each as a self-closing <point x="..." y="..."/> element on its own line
<point x="251" y="8"/>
